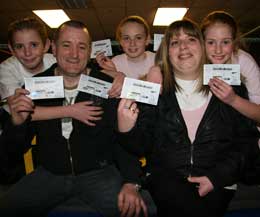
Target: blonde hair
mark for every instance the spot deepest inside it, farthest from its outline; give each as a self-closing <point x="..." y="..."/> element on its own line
<point x="132" y="19"/>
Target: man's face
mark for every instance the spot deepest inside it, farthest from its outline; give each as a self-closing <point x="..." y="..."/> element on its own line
<point x="29" y="49"/>
<point x="72" y="51"/>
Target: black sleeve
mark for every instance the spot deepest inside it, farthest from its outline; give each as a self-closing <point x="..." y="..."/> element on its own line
<point x="16" y="140"/>
<point x="236" y="161"/>
<point x="128" y="165"/>
<point x="141" y="139"/>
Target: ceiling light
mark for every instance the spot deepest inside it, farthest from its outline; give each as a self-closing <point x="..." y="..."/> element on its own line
<point x="53" y="18"/>
<point x="165" y="16"/>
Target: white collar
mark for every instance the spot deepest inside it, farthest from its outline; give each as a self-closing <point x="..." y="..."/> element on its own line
<point x="187" y="97"/>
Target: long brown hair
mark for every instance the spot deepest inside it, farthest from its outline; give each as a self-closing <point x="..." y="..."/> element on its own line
<point x="162" y="55"/>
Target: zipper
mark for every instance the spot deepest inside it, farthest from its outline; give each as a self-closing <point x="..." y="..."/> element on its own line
<point x="191" y="158"/>
<point x="70" y="156"/>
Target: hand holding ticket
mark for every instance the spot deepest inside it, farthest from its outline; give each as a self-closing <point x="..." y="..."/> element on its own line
<point x="101" y="46"/>
<point x="230" y="73"/>
<point x="141" y="91"/>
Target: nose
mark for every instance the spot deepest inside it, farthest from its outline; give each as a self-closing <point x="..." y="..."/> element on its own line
<point x="74" y="51"/>
<point x="27" y="51"/>
<point x="132" y="42"/>
<point x="218" y="48"/>
<point x="183" y="44"/>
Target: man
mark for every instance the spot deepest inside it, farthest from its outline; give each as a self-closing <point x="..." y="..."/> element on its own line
<point x="77" y="160"/>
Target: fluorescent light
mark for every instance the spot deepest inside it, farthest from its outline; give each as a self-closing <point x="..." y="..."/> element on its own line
<point x="53" y="18"/>
<point x="165" y="16"/>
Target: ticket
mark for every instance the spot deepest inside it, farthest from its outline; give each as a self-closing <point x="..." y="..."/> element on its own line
<point x="101" y="46"/>
<point x="47" y="87"/>
<point x="230" y="73"/>
<point x="94" y="86"/>
<point x="141" y="91"/>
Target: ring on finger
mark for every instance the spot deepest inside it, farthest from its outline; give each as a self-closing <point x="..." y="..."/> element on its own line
<point x="133" y="110"/>
<point x="126" y="107"/>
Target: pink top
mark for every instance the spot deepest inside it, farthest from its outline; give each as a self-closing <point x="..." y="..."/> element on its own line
<point x="134" y="69"/>
<point x="192" y="119"/>
<point x="250" y="70"/>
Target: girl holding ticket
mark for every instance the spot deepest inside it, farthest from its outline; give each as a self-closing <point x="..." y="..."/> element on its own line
<point x="191" y="137"/>
<point x="133" y="34"/>
<point x="220" y="32"/>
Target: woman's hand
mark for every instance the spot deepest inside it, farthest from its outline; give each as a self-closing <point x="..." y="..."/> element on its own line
<point x="127" y="114"/>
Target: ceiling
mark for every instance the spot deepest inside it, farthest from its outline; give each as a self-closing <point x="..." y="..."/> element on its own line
<point x="102" y="16"/>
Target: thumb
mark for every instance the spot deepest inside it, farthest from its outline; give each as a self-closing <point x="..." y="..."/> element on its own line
<point x="194" y="179"/>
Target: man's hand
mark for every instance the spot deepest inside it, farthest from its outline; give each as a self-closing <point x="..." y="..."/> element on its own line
<point x="85" y="112"/>
<point x="130" y="202"/>
<point x="204" y="184"/>
<point x="117" y="85"/>
<point x="20" y="106"/>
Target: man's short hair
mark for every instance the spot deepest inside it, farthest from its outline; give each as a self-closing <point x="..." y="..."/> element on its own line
<point x="71" y="23"/>
<point x="28" y="23"/>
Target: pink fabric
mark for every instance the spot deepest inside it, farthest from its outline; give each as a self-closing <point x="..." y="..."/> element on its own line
<point x="192" y="119"/>
<point x="134" y="69"/>
<point x="250" y="70"/>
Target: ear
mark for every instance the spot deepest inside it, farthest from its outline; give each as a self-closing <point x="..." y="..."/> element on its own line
<point x="11" y="49"/>
<point x="53" y="48"/>
<point x="148" y="40"/>
<point x="47" y="45"/>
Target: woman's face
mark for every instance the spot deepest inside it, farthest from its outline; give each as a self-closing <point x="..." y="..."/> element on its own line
<point x="185" y="53"/>
<point x="219" y="43"/>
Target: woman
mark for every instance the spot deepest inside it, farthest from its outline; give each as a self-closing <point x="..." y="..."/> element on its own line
<point x="191" y="137"/>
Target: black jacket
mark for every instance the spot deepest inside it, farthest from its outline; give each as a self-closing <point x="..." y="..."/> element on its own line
<point x="88" y="148"/>
<point x="161" y="134"/>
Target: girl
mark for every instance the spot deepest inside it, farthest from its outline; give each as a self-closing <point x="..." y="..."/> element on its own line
<point x="133" y="34"/>
<point x="220" y="32"/>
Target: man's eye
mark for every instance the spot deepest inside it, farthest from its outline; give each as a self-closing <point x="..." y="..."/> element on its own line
<point x="65" y="45"/>
<point x="83" y="47"/>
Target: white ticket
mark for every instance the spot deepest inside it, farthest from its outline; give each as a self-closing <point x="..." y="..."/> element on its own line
<point x="101" y="46"/>
<point x="45" y="87"/>
<point x="157" y="38"/>
<point x="94" y="86"/>
<point x="230" y="73"/>
<point x="141" y="91"/>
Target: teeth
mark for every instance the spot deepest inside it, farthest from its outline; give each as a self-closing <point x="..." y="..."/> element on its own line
<point x="183" y="56"/>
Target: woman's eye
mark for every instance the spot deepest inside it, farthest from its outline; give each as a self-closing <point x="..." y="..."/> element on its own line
<point x="174" y="43"/>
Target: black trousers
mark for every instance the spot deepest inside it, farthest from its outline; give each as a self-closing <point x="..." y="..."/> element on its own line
<point x="178" y="197"/>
